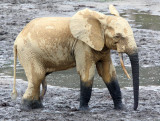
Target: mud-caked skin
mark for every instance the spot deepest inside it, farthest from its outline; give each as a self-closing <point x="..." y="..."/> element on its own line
<point x="45" y="46"/>
<point x="115" y="93"/>
<point x="85" y="95"/>
<point x="31" y="104"/>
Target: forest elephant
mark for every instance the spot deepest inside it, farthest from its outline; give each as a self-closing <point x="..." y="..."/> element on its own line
<point x="83" y="41"/>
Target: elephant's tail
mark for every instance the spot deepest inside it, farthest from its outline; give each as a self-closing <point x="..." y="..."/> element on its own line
<point x="14" y="92"/>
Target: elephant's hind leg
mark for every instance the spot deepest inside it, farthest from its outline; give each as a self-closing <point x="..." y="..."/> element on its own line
<point x="44" y="89"/>
<point x="35" y="74"/>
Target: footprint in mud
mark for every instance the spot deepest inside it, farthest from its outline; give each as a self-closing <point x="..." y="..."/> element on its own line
<point x="4" y="104"/>
<point x="143" y="41"/>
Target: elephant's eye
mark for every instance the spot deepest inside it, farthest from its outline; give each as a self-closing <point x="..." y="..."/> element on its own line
<point x="117" y="37"/>
<point x="115" y="43"/>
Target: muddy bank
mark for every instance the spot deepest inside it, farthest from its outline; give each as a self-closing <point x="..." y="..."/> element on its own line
<point x="62" y="104"/>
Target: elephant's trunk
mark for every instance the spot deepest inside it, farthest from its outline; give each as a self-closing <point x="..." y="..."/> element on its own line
<point x="135" y="74"/>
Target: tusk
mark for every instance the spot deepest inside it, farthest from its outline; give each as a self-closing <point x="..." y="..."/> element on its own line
<point x="123" y="67"/>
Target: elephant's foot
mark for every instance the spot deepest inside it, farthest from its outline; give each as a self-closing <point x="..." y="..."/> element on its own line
<point x="31" y="104"/>
<point x="84" y="108"/>
<point x="115" y="92"/>
<point x="119" y="106"/>
<point x="85" y="94"/>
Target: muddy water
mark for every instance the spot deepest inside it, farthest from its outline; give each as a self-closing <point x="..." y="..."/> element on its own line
<point x="145" y="24"/>
<point x="70" y="78"/>
<point x="142" y="19"/>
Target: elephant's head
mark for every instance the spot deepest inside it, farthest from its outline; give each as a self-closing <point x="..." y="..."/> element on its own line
<point x="98" y="30"/>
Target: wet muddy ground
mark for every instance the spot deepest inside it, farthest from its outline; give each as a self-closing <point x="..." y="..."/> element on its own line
<point x="62" y="103"/>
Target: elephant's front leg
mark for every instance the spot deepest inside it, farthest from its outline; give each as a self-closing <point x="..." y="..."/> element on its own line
<point x="86" y="74"/>
<point x="107" y="71"/>
<point x="85" y="94"/>
<point x="86" y="69"/>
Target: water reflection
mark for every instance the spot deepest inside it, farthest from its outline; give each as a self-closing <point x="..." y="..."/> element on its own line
<point x="142" y="19"/>
<point x="70" y="78"/>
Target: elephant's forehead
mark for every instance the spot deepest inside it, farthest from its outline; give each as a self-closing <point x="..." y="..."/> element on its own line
<point x="120" y="25"/>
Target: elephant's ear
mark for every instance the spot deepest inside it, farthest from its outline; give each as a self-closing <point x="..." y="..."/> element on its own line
<point x="86" y="25"/>
<point x="113" y="10"/>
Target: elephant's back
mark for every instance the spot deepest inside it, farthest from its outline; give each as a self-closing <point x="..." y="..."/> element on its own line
<point x="47" y="40"/>
<point x="47" y="28"/>
<point x="47" y="32"/>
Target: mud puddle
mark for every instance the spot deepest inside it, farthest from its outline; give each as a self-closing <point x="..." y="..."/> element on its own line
<point x="70" y="78"/>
